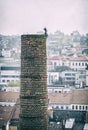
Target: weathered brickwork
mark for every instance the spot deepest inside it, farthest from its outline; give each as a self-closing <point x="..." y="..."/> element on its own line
<point x="33" y="94"/>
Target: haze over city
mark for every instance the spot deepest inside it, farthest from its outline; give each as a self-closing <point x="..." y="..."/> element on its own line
<point x="30" y="16"/>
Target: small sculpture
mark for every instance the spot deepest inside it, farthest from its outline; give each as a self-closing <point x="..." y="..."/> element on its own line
<point x="45" y="32"/>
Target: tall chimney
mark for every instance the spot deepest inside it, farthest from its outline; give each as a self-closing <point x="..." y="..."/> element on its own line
<point x="33" y="93"/>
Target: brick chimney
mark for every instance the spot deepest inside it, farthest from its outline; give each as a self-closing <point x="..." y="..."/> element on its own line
<point x="33" y="92"/>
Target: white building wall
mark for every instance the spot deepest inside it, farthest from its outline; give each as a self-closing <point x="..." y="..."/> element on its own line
<point x="6" y="53"/>
<point x="10" y="75"/>
<point x="52" y="77"/>
<point x="57" y="62"/>
<point x="58" y="90"/>
<point x="68" y="76"/>
<point x="75" y="65"/>
<point x="7" y="103"/>
<point x="80" y="107"/>
<point x="77" y="107"/>
<point x="11" y="89"/>
<point x="58" y="106"/>
<point x="78" y="65"/>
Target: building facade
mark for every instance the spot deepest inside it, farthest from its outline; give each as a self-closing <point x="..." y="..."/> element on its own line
<point x="68" y="98"/>
<point x="9" y="73"/>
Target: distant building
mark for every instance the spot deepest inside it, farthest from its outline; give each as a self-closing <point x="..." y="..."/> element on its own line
<point x="52" y="77"/>
<point x="68" y="98"/>
<point x="75" y="63"/>
<point x="68" y="77"/>
<point x="69" y="103"/>
<point x="11" y="89"/>
<point x="9" y="73"/>
<point x="71" y="69"/>
<point x="78" y="63"/>
<point x="6" y="53"/>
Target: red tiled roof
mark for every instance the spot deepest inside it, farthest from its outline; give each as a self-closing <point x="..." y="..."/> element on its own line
<point x="5" y="112"/>
<point x="59" y="98"/>
<point x="80" y="97"/>
<point x="81" y="58"/>
<point x="49" y="63"/>
<point x="8" y="96"/>
<point x="55" y="58"/>
<point x="73" y="97"/>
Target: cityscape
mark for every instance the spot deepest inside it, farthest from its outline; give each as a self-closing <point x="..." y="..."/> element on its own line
<point x="67" y="80"/>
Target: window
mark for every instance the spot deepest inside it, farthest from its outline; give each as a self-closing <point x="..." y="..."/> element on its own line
<point x="57" y="107"/>
<point x="10" y="68"/>
<point x="79" y="64"/>
<point x="73" y="74"/>
<point x="86" y="107"/>
<point x="83" y="107"/>
<point x="68" y="78"/>
<point x="85" y="64"/>
<point x="73" y="107"/>
<point x="61" y="107"/>
<point x="76" y="107"/>
<point x="82" y="64"/>
<point x="79" y="107"/>
<point x="63" y="64"/>
<point x="7" y="80"/>
<point x="67" y="74"/>
<point x="66" y="107"/>
<point x="76" y="64"/>
<point x="51" y="79"/>
<point x="55" y="63"/>
<point x="3" y="81"/>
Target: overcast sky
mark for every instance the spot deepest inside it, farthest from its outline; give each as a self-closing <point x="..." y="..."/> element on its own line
<point x="31" y="16"/>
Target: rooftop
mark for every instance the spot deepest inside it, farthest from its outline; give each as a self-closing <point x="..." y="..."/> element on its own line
<point x="74" y="96"/>
<point x="8" y="96"/>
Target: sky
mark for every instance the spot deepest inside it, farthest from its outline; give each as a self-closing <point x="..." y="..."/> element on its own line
<point x="31" y="16"/>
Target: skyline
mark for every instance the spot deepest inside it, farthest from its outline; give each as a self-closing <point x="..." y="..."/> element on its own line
<point x="31" y="16"/>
